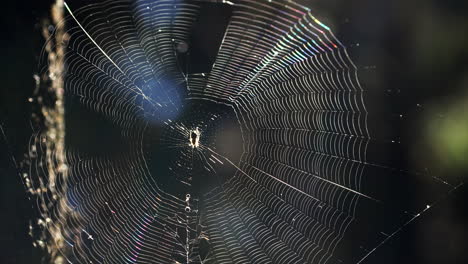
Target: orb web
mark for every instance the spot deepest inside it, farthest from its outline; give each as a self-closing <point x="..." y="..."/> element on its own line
<point x="257" y="159"/>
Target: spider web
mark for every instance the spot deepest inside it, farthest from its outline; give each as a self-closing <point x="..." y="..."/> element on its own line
<point x="280" y="122"/>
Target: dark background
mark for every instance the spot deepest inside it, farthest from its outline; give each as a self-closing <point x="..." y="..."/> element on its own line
<point x="411" y="54"/>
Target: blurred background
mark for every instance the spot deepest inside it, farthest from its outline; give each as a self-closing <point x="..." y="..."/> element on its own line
<point x="412" y="58"/>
